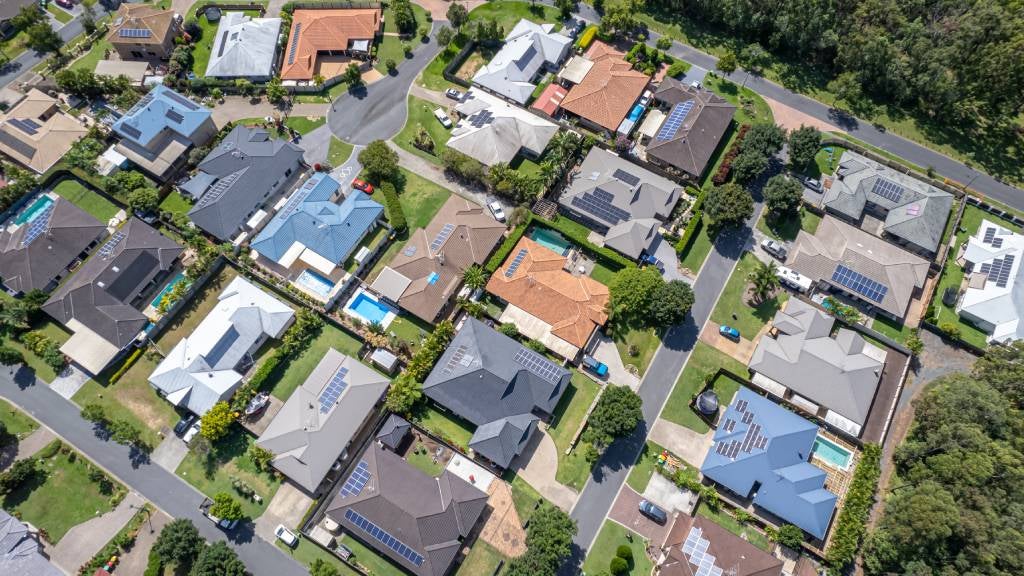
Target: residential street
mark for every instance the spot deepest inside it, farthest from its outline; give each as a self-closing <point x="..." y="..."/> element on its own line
<point x="27" y="59"/>
<point x="168" y="492"/>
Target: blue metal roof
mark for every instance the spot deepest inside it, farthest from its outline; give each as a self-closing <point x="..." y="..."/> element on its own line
<point x="310" y="218"/>
<point x="160" y="110"/>
<point x="760" y="442"/>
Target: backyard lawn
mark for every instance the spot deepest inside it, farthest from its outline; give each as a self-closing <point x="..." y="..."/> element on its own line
<point x="419" y="456"/>
<point x="645" y="341"/>
<point x="62" y="495"/>
<point x="787" y="229"/>
<point x="373" y="563"/>
<point x="432" y="76"/>
<point x="16" y="422"/>
<point x="421" y="114"/>
<point x="176" y="204"/>
<point x="730" y="523"/>
<point x="89" y="201"/>
<point x="483" y="560"/>
<point x="704" y="360"/>
<point x="300" y="367"/>
<point x="338" y="152"/>
<point x="573" y="468"/>
<point x="410" y="329"/>
<point x="611" y="536"/>
<point x="898" y="331"/>
<point x="445" y="426"/>
<point x="215" y="471"/>
<point x="305" y="552"/>
<point x="739" y="308"/>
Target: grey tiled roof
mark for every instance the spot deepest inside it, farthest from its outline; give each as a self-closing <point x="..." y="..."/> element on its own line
<point x="20" y="553"/>
<point x="632" y="237"/>
<point x="393" y="431"/>
<point x="691" y="147"/>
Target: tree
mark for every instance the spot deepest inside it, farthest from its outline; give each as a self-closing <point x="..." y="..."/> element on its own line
<point x="670" y="303"/>
<point x="782" y="197"/>
<point x="10" y="357"/>
<point x="754" y="57"/>
<point x="457" y="15"/>
<point x="319" y="80"/>
<point x="764" y="138"/>
<point x="28" y="16"/>
<point x="126" y="181"/>
<point x="615" y="415"/>
<point x="803" y="145"/>
<point x="620" y="19"/>
<point x="728" y="205"/>
<point x="379" y="160"/>
<point x="1003" y="368"/>
<point x="403" y="395"/>
<point x="83" y="154"/>
<point x="747" y="166"/>
<point x="790" y="535"/>
<point x="764" y="278"/>
<point x="565" y="8"/>
<point x="89" y="16"/>
<point x="847" y="88"/>
<point x="218" y="559"/>
<point x="275" y="91"/>
<point x="81" y="82"/>
<point x="124" y="432"/>
<point x="404" y="17"/>
<point x="94" y="413"/>
<point x="260" y="457"/>
<point x="475" y="277"/>
<point x="618" y="566"/>
<point x="632" y="289"/>
<point x="217" y="421"/>
<point x="225" y="507"/>
<point x="319" y="567"/>
<point x="548" y="543"/>
<point x="144" y="200"/>
<point x="18" y="474"/>
<point x="445" y="35"/>
<point x="727" y="63"/>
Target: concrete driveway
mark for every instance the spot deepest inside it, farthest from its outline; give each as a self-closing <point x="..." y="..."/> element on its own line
<point x="687" y="444"/>
<point x="670" y="497"/>
<point x="537" y="465"/>
<point x="626" y="511"/>
<point x="605" y="351"/>
<point x="169" y="454"/>
<point x="287" y="507"/>
<point x="741" y="350"/>
<point x="83" y="541"/>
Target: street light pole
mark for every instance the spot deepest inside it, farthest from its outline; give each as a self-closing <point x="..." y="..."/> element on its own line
<point x="149" y="517"/>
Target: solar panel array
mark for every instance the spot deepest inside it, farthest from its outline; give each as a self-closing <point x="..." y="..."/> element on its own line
<point x="174" y="116"/>
<point x="998" y="270"/>
<point x="695" y="548"/>
<point x="334" y="389"/>
<point x="752" y="439"/>
<point x="182" y="100"/>
<point x="26" y="125"/>
<point x="859" y="283"/>
<point x="442" y="237"/>
<point x="997" y="242"/>
<point x="130" y="130"/>
<point x="295" y="44"/>
<point x="38" y="225"/>
<point x="18" y="145"/>
<point x="599" y="203"/>
<point x="626" y="177"/>
<point x="887" y="189"/>
<point x="357" y="480"/>
<point x="383" y="537"/>
<point x="219" y="188"/>
<point x="297" y="198"/>
<point x="675" y="120"/>
<point x="134" y="33"/>
<point x="142" y="103"/>
<point x="538" y="365"/>
<point x="990" y="234"/>
<point x="481" y="119"/>
<point x="515" y="263"/>
<point x="108" y="247"/>
<point x="458" y="358"/>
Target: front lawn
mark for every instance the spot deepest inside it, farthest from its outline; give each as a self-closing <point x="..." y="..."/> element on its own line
<point x="176" y="204"/>
<point x="432" y="76"/>
<point x="373" y="563"/>
<point x="508" y="13"/>
<point x="300" y="124"/>
<point x="786" y="229"/>
<point x="305" y="552"/>
<point x="61" y="16"/>
<point x="52" y="330"/>
<point x="300" y="367"/>
<point x="226" y="461"/>
<point x="739" y="308"/>
<point x="483" y="560"/>
<point x="445" y="426"/>
<point x="644" y="468"/>
<point x="421" y="114"/>
<point x="573" y="468"/>
<point x="730" y="523"/>
<point x="89" y="201"/>
<point x="16" y="422"/>
<point x="524" y="497"/>
<point x="338" y="152"/>
<point x="750" y="106"/>
<point x="612" y="536"/>
<point x="643" y="341"/>
<point x="693" y="257"/>
<point x="421" y="199"/>
<point x="703" y="360"/>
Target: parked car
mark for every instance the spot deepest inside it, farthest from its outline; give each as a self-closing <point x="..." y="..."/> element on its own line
<point x="645" y="100"/>
<point x="653" y="512"/>
<point x="594" y="365"/>
<point x="183" y="424"/>
<point x="774" y="248"/>
<point x="343" y="551"/>
<point x="496" y="211"/>
<point x="65" y="4"/>
<point x="813" y="184"/>
<point x="453" y="94"/>
<point x="729" y="332"/>
<point x="696" y="85"/>
<point x="443" y="118"/>
<point x="221" y="523"/>
<point x="362" y="185"/>
<point x="287" y="536"/>
<point x="191" y="434"/>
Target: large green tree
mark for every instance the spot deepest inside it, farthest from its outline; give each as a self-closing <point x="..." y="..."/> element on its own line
<point x="548" y="543"/>
<point x="178" y="543"/>
<point x="615" y="415"/>
<point x="218" y="559"/>
<point x="782" y="196"/>
<point x="670" y="303"/>
<point x="728" y="205"/>
<point x="379" y="160"/>
<point x="631" y="291"/>
<point x="803" y="145"/>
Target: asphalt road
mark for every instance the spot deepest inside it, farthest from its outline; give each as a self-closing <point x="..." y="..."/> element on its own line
<point x="29" y="58"/>
<point x="378" y="111"/>
<point x="168" y="492"/>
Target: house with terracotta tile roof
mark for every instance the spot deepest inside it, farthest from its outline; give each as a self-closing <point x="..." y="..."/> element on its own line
<point x="317" y="35"/>
<point x="607" y="91"/>
<point x="36" y="133"/>
<point x="560" y="309"/>
<point x="696" y="545"/>
<point x="142" y="31"/>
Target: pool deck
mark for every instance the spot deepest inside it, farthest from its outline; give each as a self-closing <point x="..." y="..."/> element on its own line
<point x="347" y="309"/>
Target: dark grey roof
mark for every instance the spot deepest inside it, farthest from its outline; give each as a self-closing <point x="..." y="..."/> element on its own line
<point x="250" y="167"/>
<point x="493" y="381"/>
<point x="20" y="553"/>
<point x="394" y="430"/>
<point x="692" y="145"/>
<point x="10" y="8"/>
<point x="54" y="241"/>
<point x="100" y="293"/>
<point x="633" y="237"/>
<point x="428" y="515"/>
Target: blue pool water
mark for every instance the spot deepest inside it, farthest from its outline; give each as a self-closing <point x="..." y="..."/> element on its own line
<point x="167" y="290"/>
<point x="368" y="308"/>
<point x="42" y="203"/>
<point x="550" y="239"/>
<point x="832" y="453"/>
<point x="635" y="113"/>
<point x="315" y="283"/>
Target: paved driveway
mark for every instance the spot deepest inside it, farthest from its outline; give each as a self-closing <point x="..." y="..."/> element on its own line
<point x="626" y="511"/>
<point x="83" y="541"/>
<point x="287" y="507"/>
<point x="606" y="351"/>
<point x="687" y="444"/>
<point x="169" y="454"/>
<point x="537" y="465"/>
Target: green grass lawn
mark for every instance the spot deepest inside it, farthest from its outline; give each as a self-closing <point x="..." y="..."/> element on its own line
<point x="788" y="228"/>
<point x="14" y="45"/>
<point x="483" y="560"/>
<point x="213" y="472"/>
<point x="338" y="152"/>
<point x="409" y="329"/>
<point x="421" y="199"/>
<point x="509" y="13"/>
<point x="611" y="536"/>
<point x="891" y="328"/>
<point x="641" y="472"/>
<point x="645" y="340"/>
<point x="300" y="124"/>
<point x="324" y="96"/>
<point x="61" y="16"/>
<point x="602" y="273"/>
<point x="526" y="166"/>
<point x="445" y="426"/>
<point x="703" y="360"/>
<point x="433" y="75"/>
<point x="89" y="201"/>
<point x="421" y="114"/>
<point x="573" y="468"/>
<point x="524" y="497"/>
<point x="693" y="257"/>
<point x="735" y="306"/>
<point x="420" y="457"/>
<point x="176" y="204"/>
<point x="60" y="498"/>
<point x="300" y="367"/>
<point x="368" y="241"/>
<point x="374" y="564"/>
<point x="727" y="521"/>
<point x="305" y="552"/>
<point x="750" y="106"/>
<point x="391" y="46"/>
<point x="53" y="331"/>
<point x="16" y="422"/>
<point x="824" y="164"/>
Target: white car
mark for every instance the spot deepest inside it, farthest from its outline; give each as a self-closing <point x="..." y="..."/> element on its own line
<point x="774" y="248"/>
<point x="287" y="536"/>
<point x="443" y="118"/>
<point x="497" y="211"/>
<point x="191" y="433"/>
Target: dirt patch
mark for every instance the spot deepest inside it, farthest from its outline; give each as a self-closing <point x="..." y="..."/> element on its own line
<point x="473" y="63"/>
<point x="503" y="529"/>
<point x="791" y="118"/>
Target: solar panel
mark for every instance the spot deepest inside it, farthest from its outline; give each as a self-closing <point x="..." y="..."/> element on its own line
<point x="458" y="358"/>
<point x="859" y="283"/>
<point x="990" y="233"/>
<point x="23" y="148"/>
<point x="741" y="406"/>
<point x="297" y="198"/>
<point x="515" y="263"/>
<point x="181" y="100"/>
<point x="295" y="43"/>
<point x="748" y="417"/>
<point x="999" y="270"/>
<point x="383" y="537"/>
<point x="334" y="389"/>
<point x="626" y="177"/>
<point x="442" y="237"/>
<point x="997" y="242"/>
<point x="220" y="187"/>
<point x="675" y="120"/>
<point x="357" y="480"/>
<point x="30" y="123"/>
<point x="600" y="206"/>
<point x="223" y="43"/>
<point x="174" y="116"/>
<point x="38" y="225"/>
<point x="108" y="247"/>
<point x="538" y="365"/>
<point x="26" y="126"/>
<point x="130" y="130"/>
<point x="134" y="33"/>
<point x="887" y="189"/>
<point x="730" y="425"/>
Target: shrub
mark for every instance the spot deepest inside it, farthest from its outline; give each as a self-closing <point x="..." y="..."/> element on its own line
<point x="396" y="216"/>
<point x="587" y="37"/>
<point x="624" y="552"/>
<point x="154" y="567"/>
<point x="18" y="474"/>
<point x="951" y="330"/>
<point x="664" y="43"/>
<point x="127" y="364"/>
<point x="725" y="168"/>
<point x="789" y="535"/>
<point x="694" y="225"/>
<point x="852" y="522"/>
<point x="677" y="68"/>
<point x="618" y="566"/>
<point x="50" y="450"/>
<point x="506" y="247"/>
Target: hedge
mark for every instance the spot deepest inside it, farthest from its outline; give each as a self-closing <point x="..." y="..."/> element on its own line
<point x="506" y="247"/>
<point x="722" y="176"/>
<point x="396" y="216"/>
<point x="605" y="256"/>
<point x="586" y="37"/>
<point x="125" y="367"/>
<point x="693" y="226"/>
<point x="852" y="522"/>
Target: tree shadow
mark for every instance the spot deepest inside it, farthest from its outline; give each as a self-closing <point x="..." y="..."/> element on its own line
<point x="24" y="377"/>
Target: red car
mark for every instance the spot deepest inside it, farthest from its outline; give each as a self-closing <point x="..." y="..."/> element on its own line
<point x="65" y="4"/>
<point x="361" y="185"/>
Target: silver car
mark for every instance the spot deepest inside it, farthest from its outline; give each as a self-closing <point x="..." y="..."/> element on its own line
<point x="774" y="248"/>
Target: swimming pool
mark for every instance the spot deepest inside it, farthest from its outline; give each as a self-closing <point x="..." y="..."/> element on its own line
<point x="550" y="239"/>
<point x="832" y="453"/>
<point x="167" y="290"/>
<point x="636" y="112"/>
<point x="367" y="308"/>
<point x="315" y="284"/>
<point x="37" y="207"/>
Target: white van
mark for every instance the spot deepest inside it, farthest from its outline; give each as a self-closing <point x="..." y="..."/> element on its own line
<point x="443" y="118"/>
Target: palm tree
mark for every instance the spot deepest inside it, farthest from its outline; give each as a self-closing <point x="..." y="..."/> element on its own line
<point x="548" y="172"/>
<point x="475" y="277"/>
<point x="764" y="279"/>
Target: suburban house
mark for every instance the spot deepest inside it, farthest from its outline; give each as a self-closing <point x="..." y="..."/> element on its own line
<point x="887" y="203"/>
<point x="994" y="297"/>
<point x="206" y="366"/>
<point x="101" y="302"/>
<point x="831" y="376"/>
<point x="143" y="32"/>
<point x="607" y="91"/>
<point x="621" y="200"/>
<point x="159" y="130"/>
<point x="243" y="172"/>
<point x="135" y="72"/>
<point x="9" y="9"/>
<point x="424" y="276"/>
<point x="417" y="521"/>
<point x="761" y="451"/>
<point x="491" y="130"/>
<point x="864" y="267"/>
<point x="324" y="41"/>
<point x="497" y="384"/>
<point x="244" y="47"/>
<point x="546" y="303"/>
<point x="36" y="133"/>
<point x="697" y="545"/>
<point x="694" y="125"/>
<point x="21" y="551"/>
<point x="310" y="239"/>
<point x="320" y="419"/>
<point x="40" y="243"/>
<point x="529" y="49"/>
